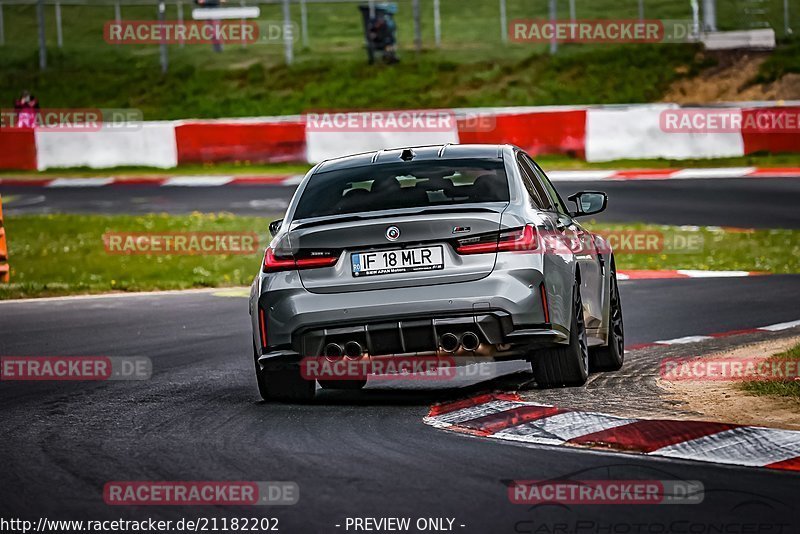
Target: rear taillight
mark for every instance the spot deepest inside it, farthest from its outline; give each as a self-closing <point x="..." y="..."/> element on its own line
<point x="289" y="262"/>
<point x="516" y="240"/>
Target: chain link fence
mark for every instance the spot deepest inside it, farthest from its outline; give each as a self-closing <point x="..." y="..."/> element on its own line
<point x="474" y="28"/>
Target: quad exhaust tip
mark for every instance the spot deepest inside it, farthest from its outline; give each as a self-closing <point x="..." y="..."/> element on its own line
<point x="353" y="349"/>
<point x="449" y="342"/>
<point x="333" y="351"/>
<point x="470" y="341"/>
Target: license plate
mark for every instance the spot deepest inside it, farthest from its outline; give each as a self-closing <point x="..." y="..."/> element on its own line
<point x="398" y="261"/>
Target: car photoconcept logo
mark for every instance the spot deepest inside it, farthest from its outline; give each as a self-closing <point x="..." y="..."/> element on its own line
<point x="392" y="233"/>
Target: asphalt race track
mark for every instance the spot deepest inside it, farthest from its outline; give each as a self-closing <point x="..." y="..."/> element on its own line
<point x="737" y="202"/>
<point x="353" y="454"/>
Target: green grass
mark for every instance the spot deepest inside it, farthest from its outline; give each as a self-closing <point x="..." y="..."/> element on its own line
<point x="607" y="75"/>
<point x="548" y="163"/>
<point x="785" y="60"/>
<point x="64" y="254"/>
<point x="777" y="388"/>
<point x="771" y="251"/>
<point x="472" y="67"/>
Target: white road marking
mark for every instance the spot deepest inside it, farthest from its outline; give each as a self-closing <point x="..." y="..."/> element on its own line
<point x="732" y="172"/>
<point x="79" y="182"/>
<point x="692" y="273"/>
<point x="569" y="176"/>
<point x="197" y="181"/>
<point x="68" y="298"/>
<point x="780" y="326"/>
<point x="682" y="340"/>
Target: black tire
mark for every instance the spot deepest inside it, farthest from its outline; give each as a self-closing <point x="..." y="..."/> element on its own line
<point x="612" y="356"/>
<point x="566" y="365"/>
<point x="342" y="384"/>
<point x="284" y="382"/>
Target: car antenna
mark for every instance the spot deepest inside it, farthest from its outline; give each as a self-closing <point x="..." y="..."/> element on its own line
<point x="407" y="154"/>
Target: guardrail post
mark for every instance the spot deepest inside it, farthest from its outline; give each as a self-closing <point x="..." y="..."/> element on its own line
<point x="417" y="25"/>
<point x="162" y="8"/>
<point x="59" y="32"/>
<point x="553" y="17"/>
<point x="437" y="23"/>
<point x="181" y="42"/>
<point x="243" y="3"/>
<point x="288" y="34"/>
<point x="2" y="27"/>
<point x="710" y="15"/>
<point x="503" y="22"/>
<point x="117" y="15"/>
<point x="304" y="22"/>
<point x="42" y="40"/>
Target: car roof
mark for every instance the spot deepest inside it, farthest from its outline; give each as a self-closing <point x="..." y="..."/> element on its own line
<point x="416" y="153"/>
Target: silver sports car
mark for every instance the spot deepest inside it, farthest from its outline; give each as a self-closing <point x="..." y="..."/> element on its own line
<point x="436" y="251"/>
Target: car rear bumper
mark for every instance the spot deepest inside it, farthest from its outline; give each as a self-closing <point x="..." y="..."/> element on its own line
<point x="500" y="309"/>
<point x="389" y="339"/>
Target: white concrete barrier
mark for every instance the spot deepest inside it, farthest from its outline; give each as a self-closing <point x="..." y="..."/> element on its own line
<point x="326" y="145"/>
<point x="149" y="144"/>
<point x="758" y="39"/>
<point x="332" y="135"/>
<point x="635" y="133"/>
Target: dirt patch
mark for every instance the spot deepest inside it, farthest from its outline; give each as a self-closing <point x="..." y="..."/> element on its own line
<point x="730" y="80"/>
<point x="726" y="402"/>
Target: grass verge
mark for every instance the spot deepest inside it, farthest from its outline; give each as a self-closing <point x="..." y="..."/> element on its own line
<point x="548" y="163"/>
<point x="778" y="388"/>
<point x="65" y="254"/>
<point x="703" y="248"/>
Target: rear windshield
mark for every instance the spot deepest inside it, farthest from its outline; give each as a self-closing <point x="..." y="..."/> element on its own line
<point x="403" y="185"/>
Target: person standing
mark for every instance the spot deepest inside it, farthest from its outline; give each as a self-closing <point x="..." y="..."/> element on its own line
<point x="27" y="109"/>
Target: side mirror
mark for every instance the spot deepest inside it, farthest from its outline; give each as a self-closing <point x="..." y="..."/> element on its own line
<point x="275" y="226"/>
<point x="589" y="202"/>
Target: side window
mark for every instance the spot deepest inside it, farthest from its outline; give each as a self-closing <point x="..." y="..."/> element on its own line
<point x="551" y="191"/>
<point x="528" y="178"/>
